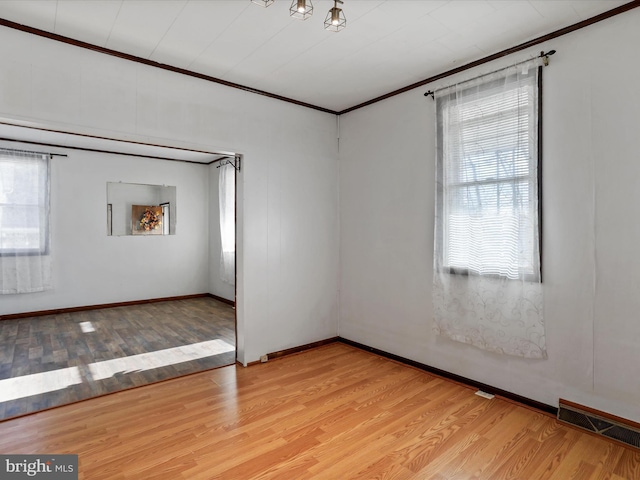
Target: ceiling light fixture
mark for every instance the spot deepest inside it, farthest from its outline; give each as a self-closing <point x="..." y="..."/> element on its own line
<point x="301" y="9"/>
<point x="335" y="20"/>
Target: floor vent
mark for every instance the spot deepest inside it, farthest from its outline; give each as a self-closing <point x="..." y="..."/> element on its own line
<point x="617" y="429"/>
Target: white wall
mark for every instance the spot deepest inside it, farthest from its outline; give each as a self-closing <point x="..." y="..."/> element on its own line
<point x="216" y="285"/>
<point x="288" y="207"/>
<point x="591" y="233"/>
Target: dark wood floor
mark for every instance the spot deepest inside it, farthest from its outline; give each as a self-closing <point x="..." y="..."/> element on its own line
<point x="334" y="412"/>
<point x="49" y="361"/>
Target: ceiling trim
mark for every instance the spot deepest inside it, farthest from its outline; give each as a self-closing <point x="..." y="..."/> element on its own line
<point x="168" y="148"/>
<point x="544" y="38"/>
<point x="145" y="61"/>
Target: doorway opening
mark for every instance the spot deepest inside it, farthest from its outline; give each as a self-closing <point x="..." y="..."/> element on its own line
<point x="59" y="356"/>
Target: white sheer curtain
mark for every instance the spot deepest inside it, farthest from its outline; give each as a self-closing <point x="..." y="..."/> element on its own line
<point x="25" y="261"/>
<point x="487" y="283"/>
<point x="226" y="192"/>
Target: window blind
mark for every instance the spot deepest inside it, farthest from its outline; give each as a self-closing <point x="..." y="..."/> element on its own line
<point x="487" y="164"/>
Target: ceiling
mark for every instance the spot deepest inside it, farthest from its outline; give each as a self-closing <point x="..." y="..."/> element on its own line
<point x="386" y="45"/>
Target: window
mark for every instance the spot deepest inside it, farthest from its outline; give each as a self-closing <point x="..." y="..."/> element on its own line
<point x="166" y="219"/>
<point x="487" y="288"/>
<point x="24" y="203"/>
<point x="487" y="187"/>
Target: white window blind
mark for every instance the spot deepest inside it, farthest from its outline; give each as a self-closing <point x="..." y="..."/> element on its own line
<point x="488" y="164"/>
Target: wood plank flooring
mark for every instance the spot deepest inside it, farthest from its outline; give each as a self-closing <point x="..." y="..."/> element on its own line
<point x="49" y="361"/>
<point x="334" y="412"/>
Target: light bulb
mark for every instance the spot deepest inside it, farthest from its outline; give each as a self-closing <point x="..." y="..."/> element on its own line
<point x="335" y="16"/>
<point x="301" y="9"/>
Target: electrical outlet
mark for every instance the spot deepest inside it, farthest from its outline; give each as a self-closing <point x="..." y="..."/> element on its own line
<point x="264" y="358"/>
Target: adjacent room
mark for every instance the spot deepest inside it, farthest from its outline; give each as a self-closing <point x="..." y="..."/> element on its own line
<point x="321" y="239"/>
<point x="145" y="214"/>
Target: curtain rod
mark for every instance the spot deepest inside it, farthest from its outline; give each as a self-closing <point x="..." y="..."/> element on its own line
<point x="235" y="163"/>
<point x="112" y="152"/>
<point x="543" y="55"/>
<point x="5" y="149"/>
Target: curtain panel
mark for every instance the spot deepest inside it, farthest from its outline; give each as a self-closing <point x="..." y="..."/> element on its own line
<point x="487" y="288"/>
<point x="227" y="201"/>
<point x="25" y="260"/>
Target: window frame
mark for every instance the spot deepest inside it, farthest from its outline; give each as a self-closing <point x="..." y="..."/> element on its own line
<point x="44" y="250"/>
<point x="439" y="231"/>
<point x="166" y="217"/>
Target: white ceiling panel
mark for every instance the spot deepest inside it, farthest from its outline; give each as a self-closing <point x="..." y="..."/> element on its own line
<point x="141" y="25"/>
<point x="419" y="32"/>
<point x="461" y="14"/>
<point x="505" y="15"/>
<point x="37" y="13"/>
<point x="245" y="35"/>
<point x="198" y="25"/>
<point x="386" y="45"/>
<point x="379" y="23"/>
<point x="555" y="9"/>
<point x="417" y="9"/>
<point x="587" y="9"/>
<point x="280" y="50"/>
<point x="89" y="21"/>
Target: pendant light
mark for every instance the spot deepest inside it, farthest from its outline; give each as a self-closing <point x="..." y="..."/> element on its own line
<point x="301" y="9"/>
<point x="335" y="20"/>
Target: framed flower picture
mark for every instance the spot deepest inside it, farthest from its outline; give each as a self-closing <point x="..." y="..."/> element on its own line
<point x="146" y="220"/>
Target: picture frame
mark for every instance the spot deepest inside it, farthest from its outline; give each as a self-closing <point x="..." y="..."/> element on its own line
<point x="146" y="220"/>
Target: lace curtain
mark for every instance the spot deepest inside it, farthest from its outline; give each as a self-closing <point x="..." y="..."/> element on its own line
<point x="25" y="260"/>
<point x="487" y="287"/>
<point x="227" y="196"/>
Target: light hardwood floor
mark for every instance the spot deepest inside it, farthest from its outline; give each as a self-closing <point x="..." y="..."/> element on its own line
<point x="334" y="412"/>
